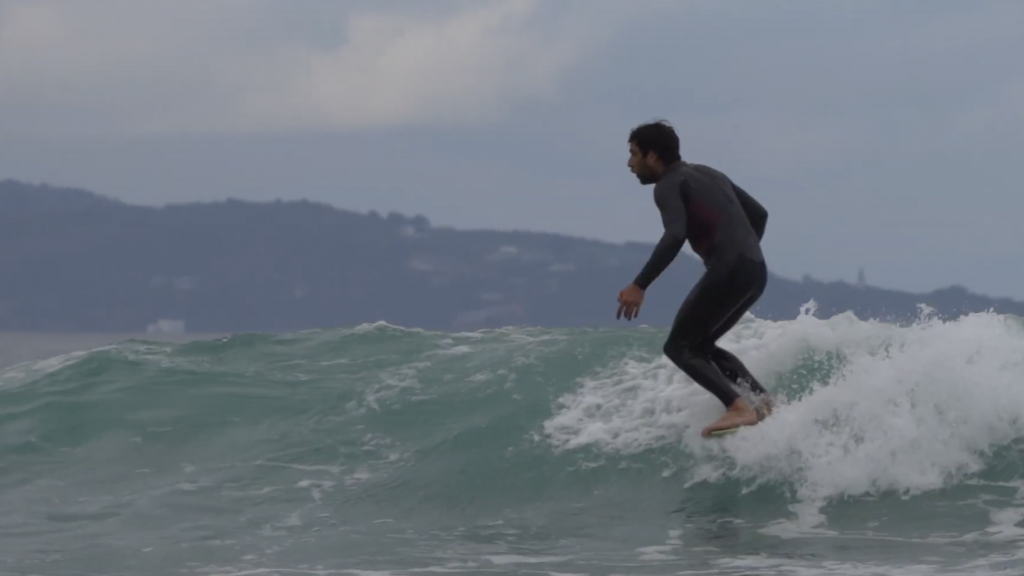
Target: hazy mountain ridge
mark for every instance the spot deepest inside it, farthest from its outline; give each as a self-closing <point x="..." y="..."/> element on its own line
<point x="77" y="261"/>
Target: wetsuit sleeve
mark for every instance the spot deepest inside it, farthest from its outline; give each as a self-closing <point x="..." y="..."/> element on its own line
<point x="669" y="199"/>
<point x="756" y="213"/>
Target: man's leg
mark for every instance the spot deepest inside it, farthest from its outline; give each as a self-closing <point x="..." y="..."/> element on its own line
<point x="689" y="344"/>
<point x="756" y="276"/>
<point x="727" y="362"/>
<point x="734" y="369"/>
<point x="713" y="306"/>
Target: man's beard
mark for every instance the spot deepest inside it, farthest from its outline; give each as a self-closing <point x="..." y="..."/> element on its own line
<point x="646" y="178"/>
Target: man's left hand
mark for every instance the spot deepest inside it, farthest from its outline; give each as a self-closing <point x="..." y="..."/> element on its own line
<point x="630" y="300"/>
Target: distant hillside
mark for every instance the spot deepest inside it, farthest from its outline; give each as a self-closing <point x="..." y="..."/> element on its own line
<point x="18" y="198"/>
<point x="75" y="261"/>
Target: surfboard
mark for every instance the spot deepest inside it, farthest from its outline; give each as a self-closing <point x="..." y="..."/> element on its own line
<point x="725" y="432"/>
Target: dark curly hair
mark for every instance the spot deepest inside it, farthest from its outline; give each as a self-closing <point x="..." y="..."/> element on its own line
<point x="658" y="137"/>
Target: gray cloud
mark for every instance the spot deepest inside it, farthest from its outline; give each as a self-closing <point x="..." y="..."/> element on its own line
<point x="115" y="67"/>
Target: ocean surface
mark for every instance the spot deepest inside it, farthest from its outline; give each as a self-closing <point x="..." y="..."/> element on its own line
<point x="380" y="450"/>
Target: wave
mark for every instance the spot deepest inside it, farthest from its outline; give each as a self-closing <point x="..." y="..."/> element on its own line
<point x="564" y="422"/>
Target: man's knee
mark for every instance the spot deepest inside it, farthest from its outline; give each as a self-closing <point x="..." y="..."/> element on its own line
<point x="684" y="351"/>
<point x="722" y="356"/>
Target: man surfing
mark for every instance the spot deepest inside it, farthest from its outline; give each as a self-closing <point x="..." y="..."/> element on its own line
<point x="724" y="225"/>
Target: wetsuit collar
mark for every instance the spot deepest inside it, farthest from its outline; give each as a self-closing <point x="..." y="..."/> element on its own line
<point x="677" y="165"/>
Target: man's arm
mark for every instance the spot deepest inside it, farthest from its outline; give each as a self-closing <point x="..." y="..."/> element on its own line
<point x="669" y="199"/>
<point x="756" y="213"/>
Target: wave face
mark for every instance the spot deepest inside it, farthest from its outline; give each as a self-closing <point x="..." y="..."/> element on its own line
<point x="380" y="449"/>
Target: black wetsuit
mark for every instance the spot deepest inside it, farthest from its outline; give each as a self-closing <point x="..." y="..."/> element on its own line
<point x="724" y="226"/>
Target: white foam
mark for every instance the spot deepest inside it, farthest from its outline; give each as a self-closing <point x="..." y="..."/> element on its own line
<point x="656" y="553"/>
<point x="796" y="568"/>
<point x="316" y="488"/>
<point x="912" y="409"/>
<point x="454" y="351"/>
<point x="392" y="381"/>
<point x="381" y="325"/>
<point x="503" y="559"/>
<point x="629" y="407"/>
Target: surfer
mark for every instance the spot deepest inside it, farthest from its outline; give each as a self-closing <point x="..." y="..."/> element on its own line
<point x="724" y="225"/>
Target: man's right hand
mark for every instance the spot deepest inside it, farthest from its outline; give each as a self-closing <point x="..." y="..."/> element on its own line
<point x="630" y="300"/>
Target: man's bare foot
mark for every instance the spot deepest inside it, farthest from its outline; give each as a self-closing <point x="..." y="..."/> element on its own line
<point x="738" y="414"/>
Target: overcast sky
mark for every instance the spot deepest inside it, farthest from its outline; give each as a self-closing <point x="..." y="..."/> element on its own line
<point x="888" y="135"/>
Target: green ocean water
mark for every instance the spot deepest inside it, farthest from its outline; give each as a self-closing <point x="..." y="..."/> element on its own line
<point x="896" y="450"/>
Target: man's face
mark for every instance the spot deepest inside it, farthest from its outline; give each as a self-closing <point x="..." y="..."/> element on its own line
<point x="640" y="165"/>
